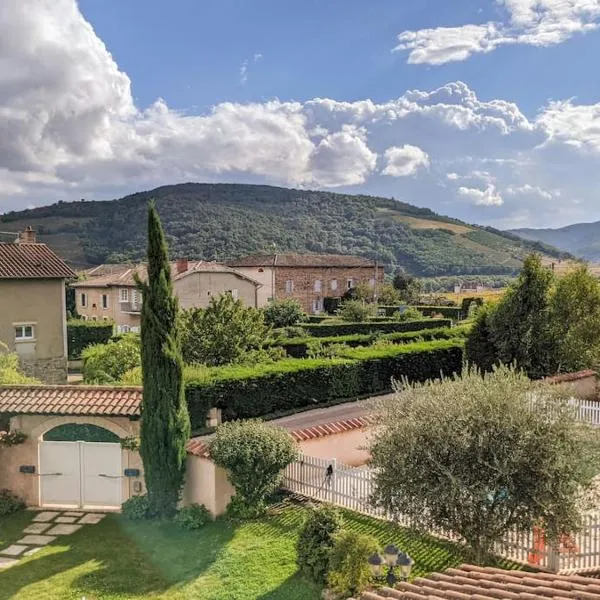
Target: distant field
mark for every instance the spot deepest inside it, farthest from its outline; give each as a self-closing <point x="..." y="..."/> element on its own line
<point x="491" y="294"/>
<point x="566" y="266"/>
<point x="418" y="223"/>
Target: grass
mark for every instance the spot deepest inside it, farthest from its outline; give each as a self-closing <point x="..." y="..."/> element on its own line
<point x="119" y="560"/>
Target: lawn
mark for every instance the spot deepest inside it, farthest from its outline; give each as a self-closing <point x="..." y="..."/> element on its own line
<point x="118" y="560"/>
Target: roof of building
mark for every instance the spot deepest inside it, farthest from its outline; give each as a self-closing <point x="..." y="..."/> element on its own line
<point x="487" y="583"/>
<point x="301" y="260"/>
<point x="569" y="377"/>
<point x="20" y="260"/>
<point x="70" y="400"/>
<point x="122" y="275"/>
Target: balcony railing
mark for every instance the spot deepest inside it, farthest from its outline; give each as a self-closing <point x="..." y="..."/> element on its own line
<point x="129" y="307"/>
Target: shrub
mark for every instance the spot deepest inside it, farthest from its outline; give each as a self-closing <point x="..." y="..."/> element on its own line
<point x="10" y="370"/>
<point x="254" y="455"/>
<point x="350" y="573"/>
<point x="12" y="438"/>
<point x="81" y="334"/>
<point x="108" y="363"/>
<point x="287" y="333"/>
<point x="332" y="329"/>
<point x="355" y="311"/>
<point x="136" y="508"/>
<point x="10" y="503"/>
<point x="331" y="304"/>
<point x="283" y="313"/>
<point x="408" y="314"/>
<point x="316" y="540"/>
<point x="193" y="516"/>
<point x="448" y="312"/>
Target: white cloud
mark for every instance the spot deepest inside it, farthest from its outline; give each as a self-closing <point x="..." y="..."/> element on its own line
<point x="452" y="176"/>
<point x="527" y="189"/>
<point x="404" y="160"/>
<point x="531" y="22"/>
<point x="487" y="197"/>
<point x="257" y="56"/>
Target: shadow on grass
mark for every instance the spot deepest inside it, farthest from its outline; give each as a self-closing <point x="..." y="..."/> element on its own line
<point x="294" y="588"/>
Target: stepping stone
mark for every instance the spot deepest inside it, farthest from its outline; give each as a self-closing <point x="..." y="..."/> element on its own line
<point x="36" y="540"/>
<point x="32" y="551"/>
<point x="65" y="519"/>
<point x="63" y="529"/>
<point x="45" y="517"/>
<point x="73" y="514"/>
<point x="7" y="562"/>
<point x="14" y="550"/>
<point x="91" y="519"/>
<point x="37" y="528"/>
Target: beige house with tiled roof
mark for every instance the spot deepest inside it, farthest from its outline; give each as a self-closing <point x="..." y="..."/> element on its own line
<point x="108" y="292"/>
<point x="32" y="307"/>
<point x="308" y="278"/>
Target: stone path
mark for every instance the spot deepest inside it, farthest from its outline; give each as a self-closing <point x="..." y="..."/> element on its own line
<point x="46" y="527"/>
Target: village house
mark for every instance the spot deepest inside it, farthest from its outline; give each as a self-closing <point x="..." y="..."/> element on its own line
<point x="109" y="292"/>
<point x="32" y="307"/>
<point x="308" y="278"/>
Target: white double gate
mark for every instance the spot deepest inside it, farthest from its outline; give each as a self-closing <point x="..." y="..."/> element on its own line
<point x="80" y="474"/>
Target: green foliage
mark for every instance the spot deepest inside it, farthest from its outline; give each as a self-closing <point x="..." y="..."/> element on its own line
<point x="447" y="284"/>
<point x="10" y="503"/>
<point x="108" y="363"/>
<point x="482" y="455"/>
<point x="408" y="314"/>
<point x="137" y="508"/>
<point x="12" y="438"/>
<point x="283" y="313"/>
<point x="467" y="305"/>
<point x="480" y="349"/>
<point x="222" y="333"/>
<point x="194" y="516"/>
<point x="10" y="371"/>
<point x="350" y="573"/>
<point x="355" y="311"/>
<point x="81" y="334"/>
<point x="245" y="219"/>
<point x="336" y="329"/>
<point x="408" y="288"/>
<point x="254" y="455"/>
<point x="448" y="312"/>
<point x="331" y="304"/>
<point x="287" y="332"/>
<point x="388" y="295"/>
<point x="316" y="541"/>
<point x="165" y="427"/>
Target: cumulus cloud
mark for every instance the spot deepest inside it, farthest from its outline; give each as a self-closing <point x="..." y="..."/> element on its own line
<point x="487" y="197"/>
<point x="527" y="189"/>
<point x="531" y="22"/>
<point x="404" y="160"/>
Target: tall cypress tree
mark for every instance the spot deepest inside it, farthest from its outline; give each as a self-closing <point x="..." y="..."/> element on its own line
<point x="165" y="425"/>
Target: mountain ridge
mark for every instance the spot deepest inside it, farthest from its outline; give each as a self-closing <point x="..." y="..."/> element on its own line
<point x="225" y="221"/>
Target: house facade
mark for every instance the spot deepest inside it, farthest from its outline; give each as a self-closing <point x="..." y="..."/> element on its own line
<point x="308" y="278"/>
<point x="109" y="292"/>
<point x="33" y="307"/>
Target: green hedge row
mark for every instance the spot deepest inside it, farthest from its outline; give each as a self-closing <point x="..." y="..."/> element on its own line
<point x="246" y="392"/>
<point x="336" y="329"/>
<point x="299" y="347"/>
<point x="81" y="334"/>
<point x="449" y="312"/>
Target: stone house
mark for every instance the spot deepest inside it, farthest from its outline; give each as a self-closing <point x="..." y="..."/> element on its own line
<point x="308" y="278"/>
<point x="32" y="307"/>
<point x="108" y="292"/>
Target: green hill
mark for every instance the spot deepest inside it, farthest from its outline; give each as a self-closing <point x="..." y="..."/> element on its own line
<point x="224" y="221"/>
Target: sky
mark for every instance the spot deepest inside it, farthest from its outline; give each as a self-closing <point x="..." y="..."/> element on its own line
<point x="485" y="110"/>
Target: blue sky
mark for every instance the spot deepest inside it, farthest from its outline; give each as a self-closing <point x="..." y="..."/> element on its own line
<point x="484" y="110"/>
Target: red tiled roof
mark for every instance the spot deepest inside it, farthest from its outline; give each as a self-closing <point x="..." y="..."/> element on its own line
<point x="198" y="447"/>
<point x="31" y="261"/>
<point x="70" y="400"/>
<point x="487" y="583"/>
<point x="568" y="377"/>
<point x="301" y="260"/>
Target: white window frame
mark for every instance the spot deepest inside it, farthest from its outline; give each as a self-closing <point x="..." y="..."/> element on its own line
<point x="289" y="286"/>
<point x="318" y="285"/>
<point x="83" y="299"/>
<point x="123" y="329"/>
<point x="102" y="298"/>
<point x="135" y="297"/>
<point x="334" y="285"/>
<point x="22" y="327"/>
<point x="123" y="297"/>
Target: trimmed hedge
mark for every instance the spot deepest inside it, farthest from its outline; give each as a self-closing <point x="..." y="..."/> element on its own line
<point x="449" y="312"/>
<point x="336" y="329"/>
<point x="299" y="347"/>
<point x="81" y="334"/>
<point x="247" y="392"/>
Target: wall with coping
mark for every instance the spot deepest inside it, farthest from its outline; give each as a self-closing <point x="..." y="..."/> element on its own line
<point x="207" y="484"/>
<point x="348" y="447"/>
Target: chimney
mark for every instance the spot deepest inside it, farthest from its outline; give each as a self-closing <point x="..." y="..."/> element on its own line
<point x="27" y="236"/>
<point x="182" y="265"/>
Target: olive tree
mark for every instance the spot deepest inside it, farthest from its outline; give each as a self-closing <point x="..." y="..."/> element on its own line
<point x="479" y="455"/>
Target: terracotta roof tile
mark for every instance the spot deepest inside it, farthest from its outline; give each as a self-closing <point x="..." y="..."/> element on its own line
<point x="567" y="377"/>
<point x="470" y="582"/>
<point x="31" y="261"/>
<point x="70" y="400"/>
<point x="301" y="260"/>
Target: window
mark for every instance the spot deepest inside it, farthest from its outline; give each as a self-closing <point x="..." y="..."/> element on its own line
<point x="350" y="283"/>
<point x="123" y="329"/>
<point x="94" y="318"/>
<point x="105" y="318"/>
<point x="24" y="333"/>
<point x="83" y="299"/>
<point x="372" y="282"/>
<point x="124" y="295"/>
<point x="317" y="285"/>
<point x="289" y="286"/>
<point x="333" y="285"/>
<point x="135" y="297"/>
<point x="105" y="301"/>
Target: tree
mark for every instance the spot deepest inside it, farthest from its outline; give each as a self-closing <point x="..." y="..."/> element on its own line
<point x="108" y="363"/>
<point x="408" y="287"/>
<point x="283" y="313"/>
<point x="480" y="455"/>
<point x="480" y="349"/>
<point x="222" y="333"/>
<point x="355" y="311"/>
<point x="10" y="371"/>
<point x="388" y="295"/>
<point x="165" y="426"/>
<point x="575" y="321"/>
<point x="361" y="291"/>
<point x="254" y="455"/>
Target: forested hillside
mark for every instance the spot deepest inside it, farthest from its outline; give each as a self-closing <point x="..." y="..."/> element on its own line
<point x="224" y="221"/>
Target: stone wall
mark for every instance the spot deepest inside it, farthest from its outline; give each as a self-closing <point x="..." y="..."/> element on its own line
<point x="47" y="370"/>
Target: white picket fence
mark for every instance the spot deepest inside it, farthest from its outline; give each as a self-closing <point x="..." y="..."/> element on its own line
<point x="328" y="480"/>
<point x="587" y="410"/>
